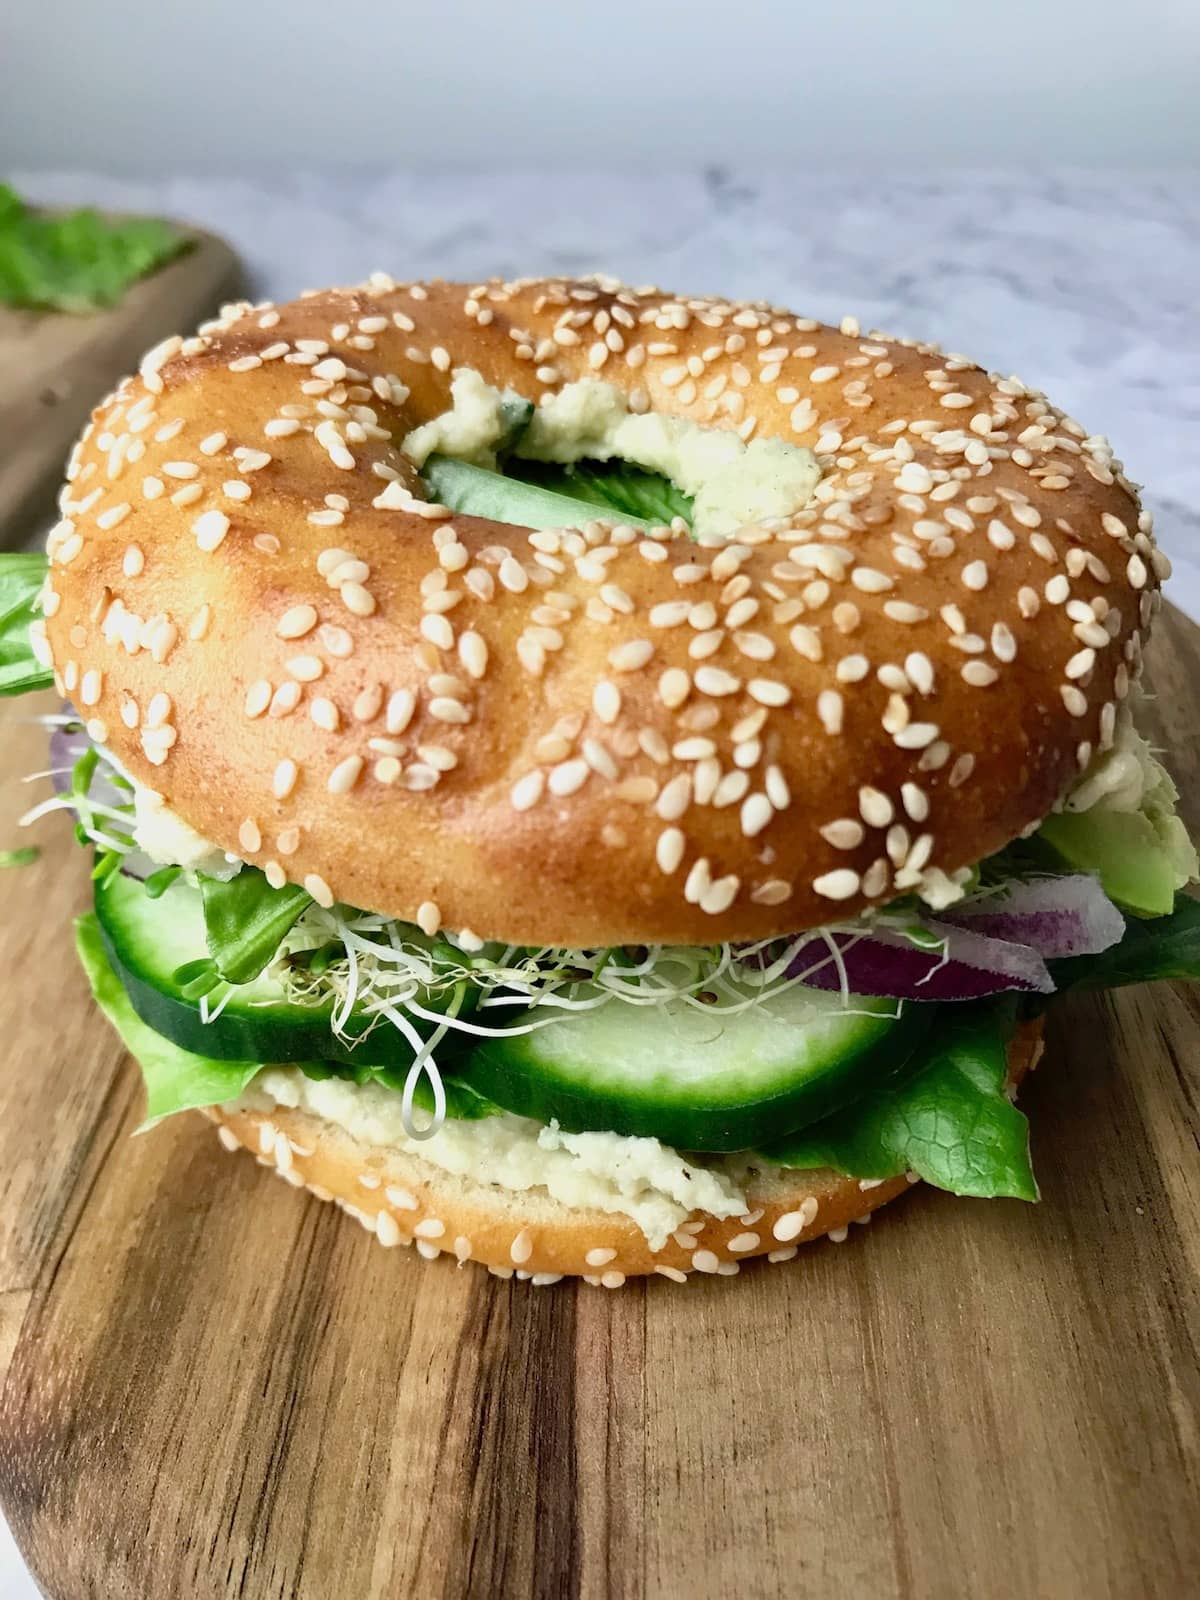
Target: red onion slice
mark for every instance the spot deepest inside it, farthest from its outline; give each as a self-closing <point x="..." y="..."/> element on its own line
<point x="1057" y="917"/>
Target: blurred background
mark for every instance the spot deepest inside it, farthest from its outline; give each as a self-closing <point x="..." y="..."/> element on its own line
<point x="236" y="85"/>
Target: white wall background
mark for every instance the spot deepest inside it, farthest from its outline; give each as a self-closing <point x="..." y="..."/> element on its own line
<point x="137" y="86"/>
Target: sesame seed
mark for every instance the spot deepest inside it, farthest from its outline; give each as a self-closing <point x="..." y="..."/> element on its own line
<point x="210" y="529"/>
<point x="306" y="669"/>
<point x="793" y="1223"/>
<point x="979" y="674"/>
<point x="875" y="808"/>
<point x="400" y="708"/>
<point x="975" y="575"/>
<point x="387" y="1230"/>
<point x="522" y="1246"/>
<point x="296" y="622"/>
<point x="158" y="710"/>
<point x="769" y="692"/>
<point x="852" y="669"/>
<point x="437" y="629"/>
<point x="674" y="686"/>
<point x="360" y="601"/>
<point x="316" y="886"/>
<point x="840" y="884"/>
<point x="249" y="836"/>
<point x="1004" y="645"/>
<point x="631" y="656"/>
<point x="830" y="708"/>
<point x="843" y="834"/>
<point x="715" y="681"/>
<point x="916" y="803"/>
<point x="445" y="709"/>
<point x="527" y="791"/>
<point x="284" y="779"/>
<point x="806" y="642"/>
<point x="756" y="813"/>
<point x="567" y="777"/>
<point x="345" y="775"/>
<point x="258" y="698"/>
<point x="285" y="699"/>
<point x="473" y="653"/>
<point x="668" y="851"/>
<point x="114" y="516"/>
<point x="675" y="797"/>
<point x="324" y="714"/>
<point x="915" y="735"/>
<point x="914" y="478"/>
<point x="870" y="581"/>
<point x="512" y="575"/>
<point x="1074" y="699"/>
<point x="429" y="918"/>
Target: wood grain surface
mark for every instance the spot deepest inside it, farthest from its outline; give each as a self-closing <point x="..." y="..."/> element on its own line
<point x="55" y="367"/>
<point x="219" y="1387"/>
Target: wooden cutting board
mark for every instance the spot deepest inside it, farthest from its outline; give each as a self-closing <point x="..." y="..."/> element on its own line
<point x="55" y="367"/>
<point x="219" y="1387"/>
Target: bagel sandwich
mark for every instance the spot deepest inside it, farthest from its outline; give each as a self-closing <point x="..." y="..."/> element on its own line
<point x="597" y="782"/>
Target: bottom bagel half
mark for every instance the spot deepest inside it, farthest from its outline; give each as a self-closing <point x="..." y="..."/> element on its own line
<point x="403" y="1198"/>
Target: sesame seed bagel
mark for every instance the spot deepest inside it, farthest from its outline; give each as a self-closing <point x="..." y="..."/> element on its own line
<point x="405" y="1199"/>
<point x="603" y="737"/>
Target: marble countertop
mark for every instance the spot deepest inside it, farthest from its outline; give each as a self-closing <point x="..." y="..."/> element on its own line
<point x="1084" y="285"/>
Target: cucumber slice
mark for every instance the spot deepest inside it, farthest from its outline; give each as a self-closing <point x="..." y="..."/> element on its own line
<point x="149" y="941"/>
<point x="477" y="492"/>
<point x="696" y="1079"/>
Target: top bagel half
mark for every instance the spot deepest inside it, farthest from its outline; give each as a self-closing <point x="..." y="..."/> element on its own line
<point x="597" y="737"/>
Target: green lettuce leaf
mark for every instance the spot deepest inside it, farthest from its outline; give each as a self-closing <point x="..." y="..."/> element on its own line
<point x="176" y="1080"/>
<point x="1159" y="947"/>
<point x="78" y="262"/>
<point x="245" y="921"/>
<point x="21" y="578"/>
<point x="480" y="492"/>
<point x="613" y="485"/>
<point x="948" y="1120"/>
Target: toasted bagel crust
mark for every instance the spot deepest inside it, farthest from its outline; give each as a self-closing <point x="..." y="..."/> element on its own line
<point x="404" y="1199"/>
<point x="459" y="722"/>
